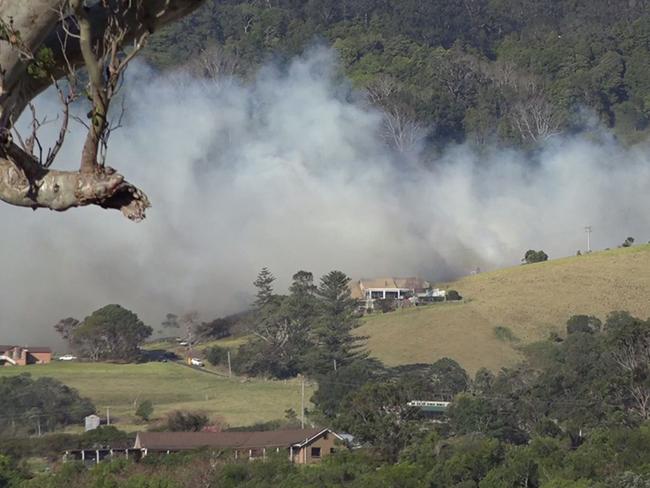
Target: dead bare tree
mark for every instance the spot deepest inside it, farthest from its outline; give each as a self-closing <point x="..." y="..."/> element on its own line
<point x="530" y="113"/>
<point x="535" y="118"/>
<point x="401" y="128"/>
<point x="633" y="357"/>
<point x="216" y="65"/>
<point x="43" y="41"/>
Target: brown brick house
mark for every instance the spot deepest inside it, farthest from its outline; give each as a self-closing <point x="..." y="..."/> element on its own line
<point x="303" y="446"/>
<point x="24" y="355"/>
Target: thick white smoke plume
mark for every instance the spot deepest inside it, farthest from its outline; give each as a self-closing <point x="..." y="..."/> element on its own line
<point x="290" y="172"/>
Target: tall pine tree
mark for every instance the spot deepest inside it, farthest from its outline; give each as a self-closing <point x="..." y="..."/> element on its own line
<point x="335" y="345"/>
<point x="264" y="285"/>
<point x="280" y="328"/>
<point x="302" y="299"/>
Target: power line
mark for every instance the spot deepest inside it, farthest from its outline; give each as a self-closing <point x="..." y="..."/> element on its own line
<point x="302" y="402"/>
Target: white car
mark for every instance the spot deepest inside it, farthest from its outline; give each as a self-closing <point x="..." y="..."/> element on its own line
<point x="196" y="362"/>
<point x="67" y="357"/>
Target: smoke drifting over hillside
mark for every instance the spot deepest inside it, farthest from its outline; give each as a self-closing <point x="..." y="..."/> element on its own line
<point x="290" y="172"/>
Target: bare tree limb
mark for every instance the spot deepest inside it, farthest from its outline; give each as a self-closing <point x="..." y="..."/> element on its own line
<point x="153" y="15"/>
<point x="42" y="41"/>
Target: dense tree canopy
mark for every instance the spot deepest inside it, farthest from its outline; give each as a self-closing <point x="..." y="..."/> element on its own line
<point x="508" y="71"/>
<point x="112" y="332"/>
<point x="29" y="405"/>
<point x="309" y="331"/>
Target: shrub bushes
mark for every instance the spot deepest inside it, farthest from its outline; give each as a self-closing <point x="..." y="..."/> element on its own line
<point x="217" y="355"/>
<point x="453" y="295"/>
<point x="533" y="256"/>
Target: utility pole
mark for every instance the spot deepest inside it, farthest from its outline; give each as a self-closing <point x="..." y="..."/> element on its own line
<point x="302" y="402"/>
<point x="588" y="231"/>
<point x="229" y="365"/>
<point x="189" y="339"/>
<point x="108" y="415"/>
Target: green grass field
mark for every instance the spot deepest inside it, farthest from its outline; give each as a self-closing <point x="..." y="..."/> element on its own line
<point x="171" y="386"/>
<point x="530" y="300"/>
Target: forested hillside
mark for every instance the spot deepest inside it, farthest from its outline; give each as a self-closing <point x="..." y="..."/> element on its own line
<point x="485" y="71"/>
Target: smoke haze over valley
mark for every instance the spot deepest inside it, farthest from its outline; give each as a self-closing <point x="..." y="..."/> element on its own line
<point x="290" y="172"/>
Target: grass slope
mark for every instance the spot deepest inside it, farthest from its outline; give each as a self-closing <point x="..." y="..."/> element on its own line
<point x="530" y="300"/>
<point x="171" y="386"/>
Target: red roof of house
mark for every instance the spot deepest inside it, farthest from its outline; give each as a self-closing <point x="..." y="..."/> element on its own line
<point x="5" y="348"/>
<point x="225" y="440"/>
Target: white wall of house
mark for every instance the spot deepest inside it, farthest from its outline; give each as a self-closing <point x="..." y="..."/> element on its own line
<point x="383" y="293"/>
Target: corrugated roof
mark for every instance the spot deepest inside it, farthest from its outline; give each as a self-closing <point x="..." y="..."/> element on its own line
<point x="410" y="283"/>
<point x="378" y="283"/>
<point x="224" y="440"/>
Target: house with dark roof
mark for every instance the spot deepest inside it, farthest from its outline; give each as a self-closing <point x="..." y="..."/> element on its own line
<point x="303" y="446"/>
<point x="24" y="355"/>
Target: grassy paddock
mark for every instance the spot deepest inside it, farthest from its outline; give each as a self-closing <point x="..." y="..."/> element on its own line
<point x="171" y="386"/>
<point x="530" y="300"/>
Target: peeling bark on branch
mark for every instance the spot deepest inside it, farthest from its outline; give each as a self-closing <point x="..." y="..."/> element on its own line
<point x="24" y="183"/>
<point x="33" y="21"/>
<point x="29" y="26"/>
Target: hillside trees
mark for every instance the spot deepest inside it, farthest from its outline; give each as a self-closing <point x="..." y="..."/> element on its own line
<point x="28" y="404"/>
<point x="281" y="326"/>
<point x="264" y="289"/>
<point x="378" y="414"/>
<point x="335" y="386"/>
<point x="592" y="379"/>
<point x="112" y="332"/>
<point x="216" y="355"/>
<point x="10" y="474"/>
<point x="307" y="331"/>
<point x="448" y="378"/>
<point x="500" y="72"/>
<point x="335" y="344"/>
<point x="218" y="328"/>
<point x="66" y="327"/>
<point x="44" y="41"/>
<point x="628" y="339"/>
<point x="401" y="128"/>
<point x="170" y="322"/>
<point x="583" y="323"/>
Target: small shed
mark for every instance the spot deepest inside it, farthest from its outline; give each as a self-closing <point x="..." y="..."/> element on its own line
<point x="92" y="422"/>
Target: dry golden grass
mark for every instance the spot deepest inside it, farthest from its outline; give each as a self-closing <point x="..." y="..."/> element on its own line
<point x="530" y="300"/>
